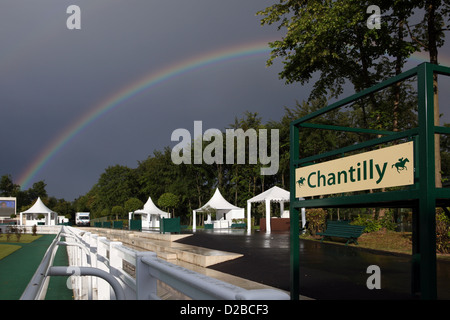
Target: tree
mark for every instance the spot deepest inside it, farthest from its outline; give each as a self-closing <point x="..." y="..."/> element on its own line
<point x="61" y="206"/>
<point x="155" y="173"/>
<point x="116" y="185"/>
<point x="38" y="190"/>
<point x="169" y="201"/>
<point x="7" y="187"/>
<point x="105" y="212"/>
<point x="118" y="211"/>
<point x="429" y="35"/>
<point x="331" y="38"/>
<point x="244" y="176"/>
<point x="132" y="204"/>
<point x="208" y="211"/>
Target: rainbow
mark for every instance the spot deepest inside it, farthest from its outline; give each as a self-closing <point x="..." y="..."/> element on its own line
<point x="443" y="59"/>
<point x="147" y="82"/>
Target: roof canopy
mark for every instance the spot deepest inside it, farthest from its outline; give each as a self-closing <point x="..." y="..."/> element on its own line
<point x="151" y="208"/>
<point x="273" y="194"/>
<point x="218" y="202"/>
<point x="39" y="207"/>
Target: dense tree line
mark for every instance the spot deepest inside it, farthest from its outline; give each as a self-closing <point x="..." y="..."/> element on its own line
<point x="181" y="188"/>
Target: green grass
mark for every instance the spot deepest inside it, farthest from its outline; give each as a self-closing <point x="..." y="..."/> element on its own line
<point x="18" y="268"/>
<point x="9" y="246"/>
<point x="387" y="241"/>
<point x="383" y="240"/>
<point x="24" y="238"/>
<point x="7" y="249"/>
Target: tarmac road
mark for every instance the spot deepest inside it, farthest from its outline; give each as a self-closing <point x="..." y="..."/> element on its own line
<point x="327" y="271"/>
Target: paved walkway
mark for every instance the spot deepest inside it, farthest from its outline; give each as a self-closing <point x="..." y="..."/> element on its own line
<point x="327" y="271"/>
<point x="17" y="269"/>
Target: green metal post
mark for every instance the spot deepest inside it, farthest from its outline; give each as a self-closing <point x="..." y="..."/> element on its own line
<point x="294" y="216"/>
<point x="422" y="196"/>
<point x="427" y="198"/>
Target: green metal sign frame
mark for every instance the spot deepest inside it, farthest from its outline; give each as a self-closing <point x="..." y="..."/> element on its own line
<point x="423" y="196"/>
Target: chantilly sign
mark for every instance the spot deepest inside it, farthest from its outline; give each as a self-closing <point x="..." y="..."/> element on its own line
<point x="387" y="167"/>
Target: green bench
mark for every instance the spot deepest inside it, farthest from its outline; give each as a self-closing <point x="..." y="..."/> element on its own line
<point x="238" y="225"/>
<point x="342" y="230"/>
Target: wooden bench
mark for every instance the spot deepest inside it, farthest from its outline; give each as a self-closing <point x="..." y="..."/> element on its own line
<point x="342" y="229"/>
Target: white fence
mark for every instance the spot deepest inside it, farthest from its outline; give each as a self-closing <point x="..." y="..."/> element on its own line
<point x="29" y="229"/>
<point x="104" y="270"/>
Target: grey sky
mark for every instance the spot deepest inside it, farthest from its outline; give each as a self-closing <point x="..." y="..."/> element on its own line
<point x="50" y="76"/>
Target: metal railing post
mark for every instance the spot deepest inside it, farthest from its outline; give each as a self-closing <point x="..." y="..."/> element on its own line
<point x="115" y="262"/>
<point x="102" y="264"/>
<point x="89" y="271"/>
<point x="146" y="285"/>
<point x="94" y="263"/>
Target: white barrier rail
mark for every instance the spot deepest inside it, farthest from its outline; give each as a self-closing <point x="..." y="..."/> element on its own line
<point x="98" y="265"/>
<point x="37" y="287"/>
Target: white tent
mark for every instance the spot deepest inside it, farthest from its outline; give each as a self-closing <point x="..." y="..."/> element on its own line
<point x="274" y="194"/>
<point x="225" y="211"/>
<point x="39" y="208"/>
<point x="151" y="214"/>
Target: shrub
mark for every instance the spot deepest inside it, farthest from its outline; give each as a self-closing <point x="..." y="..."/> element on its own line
<point x="8" y="233"/>
<point x="442" y="233"/>
<point x="388" y="222"/>
<point x="373" y="225"/>
<point x="18" y="232"/>
<point x="370" y="224"/>
<point x="316" y="220"/>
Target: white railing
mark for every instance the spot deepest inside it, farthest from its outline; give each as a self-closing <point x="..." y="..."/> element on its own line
<point x="29" y="229"/>
<point x="104" y="269"/>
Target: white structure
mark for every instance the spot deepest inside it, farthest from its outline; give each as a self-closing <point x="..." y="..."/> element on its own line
<point x="274" y="194"/>
<point x="225" y="212"/>
<point x="62" y="219"/>
<point x="151" y="214"/>
<point x="101" y="269"/>
<point x="39" y="208"/>
<point x="82" y="218"/>
<point x="8" y="206"/>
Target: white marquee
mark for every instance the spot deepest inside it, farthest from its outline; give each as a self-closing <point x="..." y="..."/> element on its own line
<point x="39" y="208"/>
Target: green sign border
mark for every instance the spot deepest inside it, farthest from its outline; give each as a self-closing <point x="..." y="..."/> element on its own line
<point x="422" y="196"/>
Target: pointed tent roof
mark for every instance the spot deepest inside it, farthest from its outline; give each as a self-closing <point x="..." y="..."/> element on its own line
<point x="151" y="208"/>
<point x="218" y="202"/>
<point x="39" y="207"/>
<point x="273" y="194"/>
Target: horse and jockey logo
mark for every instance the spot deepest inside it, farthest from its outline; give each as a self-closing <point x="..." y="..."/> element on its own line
<point x="301" y="181"/>
<point x="401" y="164"/>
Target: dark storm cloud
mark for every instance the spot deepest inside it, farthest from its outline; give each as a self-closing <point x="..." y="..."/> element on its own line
<point x="51" y="76"/>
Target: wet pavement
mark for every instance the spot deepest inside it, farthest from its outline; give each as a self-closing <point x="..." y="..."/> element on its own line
<point x="327" y="271"/>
